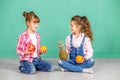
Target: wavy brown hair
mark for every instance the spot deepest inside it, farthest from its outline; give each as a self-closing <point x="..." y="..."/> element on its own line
<point x="83" y="21"/>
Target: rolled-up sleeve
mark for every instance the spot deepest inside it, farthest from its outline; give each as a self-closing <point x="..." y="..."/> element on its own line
<point x="68" y="44"/>
<point x="88" y="50"/>
<point x="20" y="47"/>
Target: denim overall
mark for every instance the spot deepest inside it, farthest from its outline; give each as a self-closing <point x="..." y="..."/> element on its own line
<point x="71" y="64"/>
<point x="76" y="51"/>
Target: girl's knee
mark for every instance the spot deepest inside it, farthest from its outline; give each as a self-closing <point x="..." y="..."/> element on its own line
<point x="49" y="67"/>
<point x="27" y="70"/>
<point x="90" y="63"/>
<point x="27" y="67"/>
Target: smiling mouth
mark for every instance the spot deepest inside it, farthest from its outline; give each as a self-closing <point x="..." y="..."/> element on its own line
<point x="35" y="27"/>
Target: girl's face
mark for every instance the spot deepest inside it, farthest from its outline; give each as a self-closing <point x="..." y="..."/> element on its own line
<point x="75" y="28"/>
<point x="32" y="25"/>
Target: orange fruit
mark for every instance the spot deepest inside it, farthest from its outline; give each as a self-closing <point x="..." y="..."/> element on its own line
<point x="79" y="59"/>
<point x="43" y="48"/>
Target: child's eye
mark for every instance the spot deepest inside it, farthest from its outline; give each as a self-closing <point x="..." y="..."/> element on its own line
<point x="71" y="25"/>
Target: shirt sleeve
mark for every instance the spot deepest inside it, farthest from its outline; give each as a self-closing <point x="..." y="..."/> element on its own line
<point x="19" y="48"/>
<point x="68" y="44"/>
<point x="88" y="50"/>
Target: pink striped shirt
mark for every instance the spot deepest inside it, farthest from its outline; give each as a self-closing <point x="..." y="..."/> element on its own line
<point x="23" y="41"/>
<point x="88" y="50"/>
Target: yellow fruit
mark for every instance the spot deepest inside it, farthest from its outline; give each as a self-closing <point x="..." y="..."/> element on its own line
<point x="43" y="48"/>
<point x="79" y="59"/>
<point x="63" y="55"/>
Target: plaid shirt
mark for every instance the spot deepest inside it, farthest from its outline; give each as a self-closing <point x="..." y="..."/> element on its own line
<point x="23" y="41"/>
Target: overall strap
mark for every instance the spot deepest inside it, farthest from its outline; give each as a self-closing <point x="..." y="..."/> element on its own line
<point x="83" y="40"/>
<point x="80" y="49"/>
<point x="71" y="40"/>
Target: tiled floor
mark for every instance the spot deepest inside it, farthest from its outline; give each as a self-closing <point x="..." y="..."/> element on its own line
<point x="104" y="69"/>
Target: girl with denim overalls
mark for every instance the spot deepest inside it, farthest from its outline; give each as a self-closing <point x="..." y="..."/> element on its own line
<point x="79" y="43"/>
<point x="31" y="61"/>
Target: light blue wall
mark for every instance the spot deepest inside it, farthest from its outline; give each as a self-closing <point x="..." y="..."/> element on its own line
<point x="55" y="17"/>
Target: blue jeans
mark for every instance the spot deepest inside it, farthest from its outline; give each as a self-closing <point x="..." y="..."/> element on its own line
<point x="75" y="67"/>
<point x="36" y="65"/>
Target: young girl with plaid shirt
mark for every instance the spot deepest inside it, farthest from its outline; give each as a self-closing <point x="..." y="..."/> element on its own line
<point x="31" y="61"/>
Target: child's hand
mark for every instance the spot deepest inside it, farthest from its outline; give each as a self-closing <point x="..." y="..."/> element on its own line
<point x="43" y="51"/>
<point x="83" y="59"/>
<point x="60" y="51"/>
<point x="27" y="52"/>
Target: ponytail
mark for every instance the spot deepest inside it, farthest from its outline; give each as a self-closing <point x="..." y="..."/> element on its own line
<point x="83" y="21"/>
<point x="86" y="27"/>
